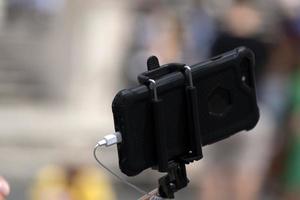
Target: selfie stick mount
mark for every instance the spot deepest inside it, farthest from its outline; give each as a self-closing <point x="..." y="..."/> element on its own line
<point x="176" y="177"/>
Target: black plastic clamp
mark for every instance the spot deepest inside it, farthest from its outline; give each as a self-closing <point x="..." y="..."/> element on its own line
<point x="147" y="78"/>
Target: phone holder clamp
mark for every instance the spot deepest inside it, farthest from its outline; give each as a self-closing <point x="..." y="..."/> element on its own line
<point x="176" y="177"/>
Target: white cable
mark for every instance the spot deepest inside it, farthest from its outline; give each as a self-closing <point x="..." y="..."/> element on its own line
<point x="109" y="140"/>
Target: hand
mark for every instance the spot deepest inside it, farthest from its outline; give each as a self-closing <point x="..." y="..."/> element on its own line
<point x="151" y="196"/>
<point x="4" y="188"/>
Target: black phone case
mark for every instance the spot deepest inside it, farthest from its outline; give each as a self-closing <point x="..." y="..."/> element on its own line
<point x="226" y="104"/>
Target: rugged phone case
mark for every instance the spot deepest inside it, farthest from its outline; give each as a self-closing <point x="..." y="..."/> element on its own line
<point x="226" y="105"/>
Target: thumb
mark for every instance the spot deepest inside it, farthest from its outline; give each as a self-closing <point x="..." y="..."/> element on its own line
<point x="4" y="187"/>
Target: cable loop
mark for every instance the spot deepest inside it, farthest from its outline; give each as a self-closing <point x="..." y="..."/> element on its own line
<point x="138" y="189"/>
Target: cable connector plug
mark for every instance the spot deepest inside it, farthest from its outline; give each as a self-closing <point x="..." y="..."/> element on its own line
<point x="110" y="139"/>
<point x="107" y="141"/>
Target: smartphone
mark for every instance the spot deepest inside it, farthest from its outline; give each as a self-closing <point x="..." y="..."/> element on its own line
<point x="226" y="104"/>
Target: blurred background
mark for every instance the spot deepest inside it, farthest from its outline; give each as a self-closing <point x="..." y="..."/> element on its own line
<point x="62" y="62"/>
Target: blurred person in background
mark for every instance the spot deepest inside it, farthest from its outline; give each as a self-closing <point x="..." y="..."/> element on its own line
<point x="158" y="31"/>
<point x="291" y="167"/>
<point x="278" y="90"/>
<point x="199" y="32"/>
<point x="4" y="188"/>
<point x="236" y="168"/>
<point x="242" y="25"/>
<point x="275" y="92"/>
